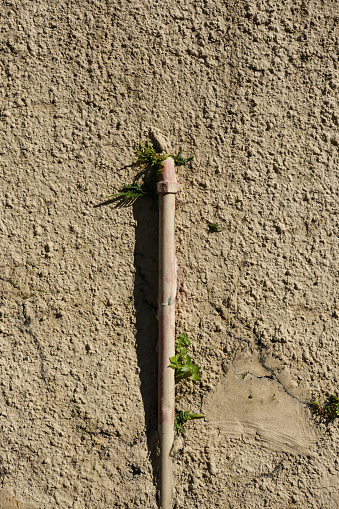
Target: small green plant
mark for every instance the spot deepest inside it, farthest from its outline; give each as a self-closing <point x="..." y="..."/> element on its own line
<point x="181" y="362"/>
<point x="181" y="161"/>
<point x="184" y="368"/>
<point x="182" y="417"/>
<point x="128" y="194"/>
<point x="147" y="155"/>
<point x="330" y="409"/>
<point x="214" y="227"/>
<point x="182" y="341"/>
<point x="153" y="165"/>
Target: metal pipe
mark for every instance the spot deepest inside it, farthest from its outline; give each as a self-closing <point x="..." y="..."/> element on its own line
<point x="167" y="189"/>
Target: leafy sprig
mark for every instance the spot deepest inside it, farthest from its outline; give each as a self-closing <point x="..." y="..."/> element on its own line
<point x="181" y="161"/>
<point x="330" y="409"/>
<point x="184" y="368"/>
<point x="182" y="363"/>
<point x="181" y="417"/>
<point x="214" y="227"/>
<point x="128" y="194"/>
<point x="148" y="156"/>
<point x="153" y="163"/>
<point x="182" y="341"/>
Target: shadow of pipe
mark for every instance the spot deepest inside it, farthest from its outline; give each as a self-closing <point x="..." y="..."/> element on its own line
<point x="145" y="302"/>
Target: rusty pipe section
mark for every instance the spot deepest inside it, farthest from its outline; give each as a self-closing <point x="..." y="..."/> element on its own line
<point x="167" y="189"/>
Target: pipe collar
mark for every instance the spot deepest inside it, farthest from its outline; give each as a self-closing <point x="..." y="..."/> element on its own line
<point x="167" y="187"/>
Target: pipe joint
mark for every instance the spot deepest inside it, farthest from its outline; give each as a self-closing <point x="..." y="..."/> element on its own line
<point x="167" y="187"/>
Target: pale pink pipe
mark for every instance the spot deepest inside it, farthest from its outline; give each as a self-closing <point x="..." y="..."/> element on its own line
<point x="167" y="188"/>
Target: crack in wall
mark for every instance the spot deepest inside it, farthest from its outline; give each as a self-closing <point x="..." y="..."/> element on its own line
<point x="273" y="375"/>
<point x="27" y="327"/>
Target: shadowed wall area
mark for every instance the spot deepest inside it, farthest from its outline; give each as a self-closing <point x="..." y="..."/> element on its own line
<point x="146" y="305"/>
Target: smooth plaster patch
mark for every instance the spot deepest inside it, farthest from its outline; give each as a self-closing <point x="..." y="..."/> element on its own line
<point x="248" y="402"/>
<point x="8" y="502"/>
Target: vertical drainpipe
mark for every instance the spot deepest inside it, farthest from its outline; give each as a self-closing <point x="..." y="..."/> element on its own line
<point x="167" y="189"/>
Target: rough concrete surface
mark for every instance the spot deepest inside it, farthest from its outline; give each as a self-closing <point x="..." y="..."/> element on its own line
<point x="251" y="89"/>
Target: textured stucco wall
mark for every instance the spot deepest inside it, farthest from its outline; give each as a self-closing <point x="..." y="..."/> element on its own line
<point x="251" y="89"/>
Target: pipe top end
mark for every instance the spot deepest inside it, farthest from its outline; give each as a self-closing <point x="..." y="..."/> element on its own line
<point x="168" y="172"/>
